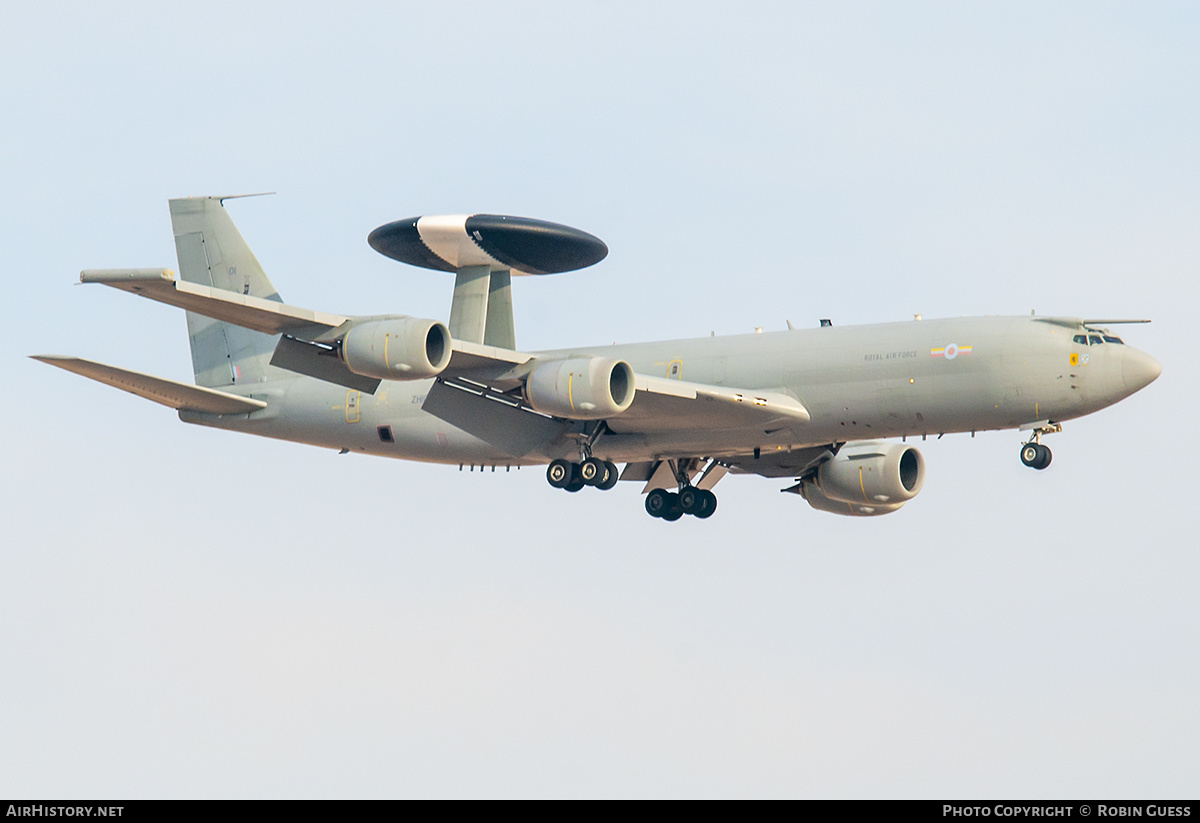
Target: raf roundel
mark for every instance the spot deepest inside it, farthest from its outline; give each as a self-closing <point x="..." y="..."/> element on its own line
<point x="520" y="244"/>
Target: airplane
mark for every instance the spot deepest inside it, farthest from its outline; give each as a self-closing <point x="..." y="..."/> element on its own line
<point x="822" y="407"/>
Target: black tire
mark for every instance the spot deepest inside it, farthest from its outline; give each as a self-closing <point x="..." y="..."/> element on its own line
<point x="1045" y="458"/>
<point x="1031" y="453"/>
<point x="592" y="471"/>
<point x="657" y="502"/>
<point x="690" y="499"/>
<point x="558" y="473"/>
<point x="674" y="510"/>
<point x="611" y="479"/>
<point x="708" y="504"/>
<point x="576" y="483"/>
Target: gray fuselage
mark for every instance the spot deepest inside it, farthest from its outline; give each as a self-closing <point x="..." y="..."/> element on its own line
<point x="857" y="382"/>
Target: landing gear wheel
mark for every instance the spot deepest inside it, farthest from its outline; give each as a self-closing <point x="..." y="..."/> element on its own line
<point x="689" y="499"/>
<point x="657" y="502"/>
<point x="707" y="504"/>
<point x="611" y="478"/>
<point x="674" y="510"/>
<point x="1036" y="456"/>
<point x="592" y="471"/>
<point x="558" y="474"/>
<point x="576" y="482"/>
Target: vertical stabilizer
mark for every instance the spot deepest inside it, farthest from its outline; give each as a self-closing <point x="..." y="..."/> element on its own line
<point x="212" y="253"/>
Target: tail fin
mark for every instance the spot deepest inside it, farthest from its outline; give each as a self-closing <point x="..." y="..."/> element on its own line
<point x="212" y="253"/>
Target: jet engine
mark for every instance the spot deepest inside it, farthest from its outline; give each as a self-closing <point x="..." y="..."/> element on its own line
<point x="866" y="479"/>
<point x="401" y="348"/>
<point x="585" y="388"/>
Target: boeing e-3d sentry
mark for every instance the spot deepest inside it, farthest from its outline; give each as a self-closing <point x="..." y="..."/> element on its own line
<point x="816" y="406"/>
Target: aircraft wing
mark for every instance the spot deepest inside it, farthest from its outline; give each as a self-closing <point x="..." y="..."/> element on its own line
<point x="181" y="396"/>
<point x="500" y="369"/>
<point x="257" y="313"/>
<point x="661" y="404"/>
<point x="480" y="392"/>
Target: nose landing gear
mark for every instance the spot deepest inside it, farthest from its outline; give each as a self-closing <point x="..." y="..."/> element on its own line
<point x="1034" y="454"/>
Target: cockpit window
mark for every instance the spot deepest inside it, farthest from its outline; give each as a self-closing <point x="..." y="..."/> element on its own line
<point x="1117" y="340"/>
<point x="1094" y="340"/>
<point x="1081" y="339"/>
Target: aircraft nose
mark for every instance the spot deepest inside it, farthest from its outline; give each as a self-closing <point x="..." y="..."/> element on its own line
<point x="1138" y="369"/>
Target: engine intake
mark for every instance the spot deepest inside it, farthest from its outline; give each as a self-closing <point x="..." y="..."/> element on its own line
<point x="403" y="348"/>
<point x="585" y="388"/>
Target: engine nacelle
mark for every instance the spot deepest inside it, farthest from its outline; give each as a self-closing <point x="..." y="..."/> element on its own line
<point x="585" y="388"/>
<point x="870" y="478"/>
<point x="402" y="348"/>
<point x="811" y="492"/>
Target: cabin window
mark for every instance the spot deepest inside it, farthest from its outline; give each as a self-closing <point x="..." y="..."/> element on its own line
<point x="1081" y="339"/>
<point x="385" y="434"/>
<point x="1117" y="340"/>
<point x="1094" y="340"/>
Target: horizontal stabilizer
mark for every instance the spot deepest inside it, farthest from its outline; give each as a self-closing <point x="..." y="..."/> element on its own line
<point x="181" y="396"/>
<point x="247" y="311"/>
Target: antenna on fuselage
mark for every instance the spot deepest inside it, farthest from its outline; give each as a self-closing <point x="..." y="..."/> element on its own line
<point x="483" y="251"/>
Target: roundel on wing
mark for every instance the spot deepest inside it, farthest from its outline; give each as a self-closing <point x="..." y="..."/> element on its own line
<point x="518" y="243"/>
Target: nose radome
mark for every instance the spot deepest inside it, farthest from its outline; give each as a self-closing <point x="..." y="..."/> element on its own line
<point x="1139" y="369"/>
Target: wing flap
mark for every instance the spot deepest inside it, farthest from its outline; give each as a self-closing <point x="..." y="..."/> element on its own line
<point x="181" y="396"/>
<point x="490" y="365"/>
<point x="257" y="313"/>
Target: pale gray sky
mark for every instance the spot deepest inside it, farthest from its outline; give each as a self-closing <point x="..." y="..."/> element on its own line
<point x="186" y="612"/>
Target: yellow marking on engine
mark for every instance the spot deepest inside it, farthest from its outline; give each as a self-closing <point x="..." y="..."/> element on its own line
<point x="570" y="396"/>
<point x="1035" y="411"/>
<point x="861" y="485"/>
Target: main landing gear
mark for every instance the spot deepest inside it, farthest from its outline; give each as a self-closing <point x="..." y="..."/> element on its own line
<point x="671" y="506"/>
<point x="563" y="474"/>
<point x="1034" y="454"/>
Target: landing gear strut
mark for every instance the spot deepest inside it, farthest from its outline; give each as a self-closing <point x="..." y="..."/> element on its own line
<point x="563" y="474"/>
<point x="1034" y="454"/>
<point x="589" y="471"/>
<point x="671" y="506"/>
